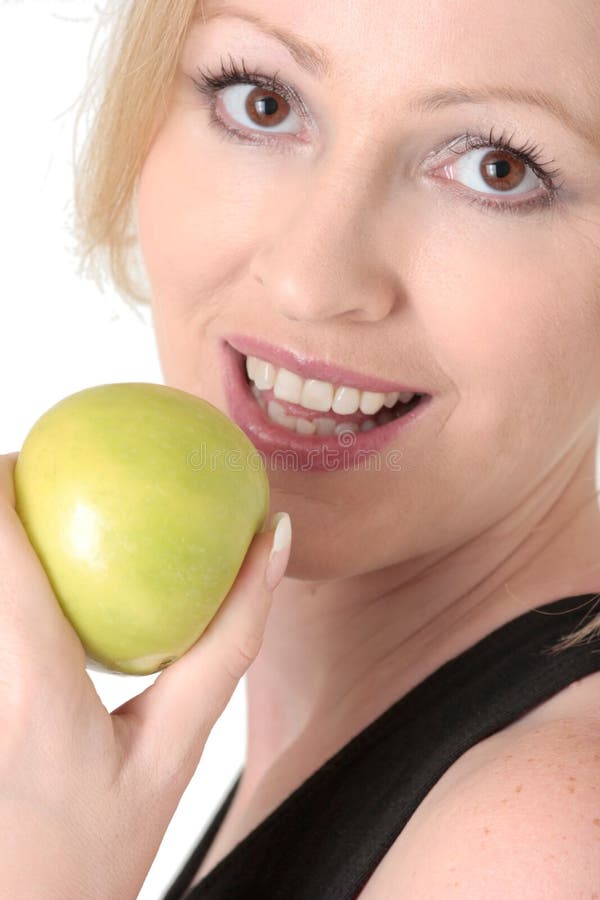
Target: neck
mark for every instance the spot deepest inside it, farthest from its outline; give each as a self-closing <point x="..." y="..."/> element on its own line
<point x="336" y="654"/>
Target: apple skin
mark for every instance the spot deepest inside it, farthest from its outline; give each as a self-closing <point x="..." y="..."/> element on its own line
<point x="141" y="501"/>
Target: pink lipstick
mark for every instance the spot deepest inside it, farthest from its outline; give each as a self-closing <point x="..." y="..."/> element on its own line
<point x="282" y="448"/>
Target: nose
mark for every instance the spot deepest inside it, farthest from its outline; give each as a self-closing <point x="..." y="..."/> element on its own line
<point x="323" y="260"/>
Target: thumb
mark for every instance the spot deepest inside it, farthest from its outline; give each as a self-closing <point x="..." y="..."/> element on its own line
<point x="171" y="720"/>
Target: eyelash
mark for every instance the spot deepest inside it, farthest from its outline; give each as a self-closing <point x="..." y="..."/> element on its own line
<point x="209" y="84"/>
<point x="531" y="155"/>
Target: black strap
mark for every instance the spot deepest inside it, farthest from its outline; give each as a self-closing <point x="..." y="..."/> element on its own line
<point x="327" y="838"/>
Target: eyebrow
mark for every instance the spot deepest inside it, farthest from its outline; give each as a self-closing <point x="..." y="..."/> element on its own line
<point x="581" y="125"/>
<point x="314" y="59"/>
<point x="311" y="57"/>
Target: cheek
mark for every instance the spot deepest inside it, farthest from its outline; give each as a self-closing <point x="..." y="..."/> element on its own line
<point x="199" y="214"/>
<point x="177" y="200"/>
<point x="515" y="325"/>
<point x="193" y="241"/>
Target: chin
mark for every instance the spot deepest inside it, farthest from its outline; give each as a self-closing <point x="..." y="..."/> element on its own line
<point x="308" y="564"/>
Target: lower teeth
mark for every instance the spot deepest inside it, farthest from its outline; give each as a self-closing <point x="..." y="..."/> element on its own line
<point x="324" y="427"/>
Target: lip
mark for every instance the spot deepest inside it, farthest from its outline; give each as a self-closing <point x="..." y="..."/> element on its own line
<point x="282" y="448"/>
<point x="314" y="368"/>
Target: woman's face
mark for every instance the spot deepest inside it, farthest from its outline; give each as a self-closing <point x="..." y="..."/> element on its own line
<point x="356" y="234"/>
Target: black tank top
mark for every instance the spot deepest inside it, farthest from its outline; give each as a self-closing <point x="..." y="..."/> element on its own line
<point x="327" y="838"/>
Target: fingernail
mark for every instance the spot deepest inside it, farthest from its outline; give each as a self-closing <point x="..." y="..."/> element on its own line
<point x="280" y="550"/>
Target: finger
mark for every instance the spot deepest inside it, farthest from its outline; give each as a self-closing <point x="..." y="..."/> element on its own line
<point x="7" y="468"/>
<point x="172" y="718"/>
<point x="35" y="635"/>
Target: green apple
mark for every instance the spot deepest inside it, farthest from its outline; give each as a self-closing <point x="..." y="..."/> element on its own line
<point x="140" y="501"/>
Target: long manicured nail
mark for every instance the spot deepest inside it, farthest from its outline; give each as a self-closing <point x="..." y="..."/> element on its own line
<point x="280" y="550"/>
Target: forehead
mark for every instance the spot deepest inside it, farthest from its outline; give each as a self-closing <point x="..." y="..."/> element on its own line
<point x="420" y="42"/>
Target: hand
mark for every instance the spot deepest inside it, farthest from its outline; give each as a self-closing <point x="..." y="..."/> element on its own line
<point x="86" y="796"/>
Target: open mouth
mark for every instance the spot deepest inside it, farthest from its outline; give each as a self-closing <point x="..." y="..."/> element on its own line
<point x="322" y="410"/>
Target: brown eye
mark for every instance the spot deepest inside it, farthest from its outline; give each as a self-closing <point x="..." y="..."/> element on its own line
<point x="492" y="171"/>
<point x="266" y="107"/>
<point x="502" y="171"/>
<point x="258" y="110"/>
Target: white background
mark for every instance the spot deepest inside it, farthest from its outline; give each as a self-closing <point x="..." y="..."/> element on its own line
<point x="59" y="333"/>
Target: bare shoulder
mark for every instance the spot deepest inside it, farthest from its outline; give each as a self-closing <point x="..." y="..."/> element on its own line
<point x="526" y="822"/>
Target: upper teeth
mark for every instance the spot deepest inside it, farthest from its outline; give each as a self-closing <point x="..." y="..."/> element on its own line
<point x="319" y="395"/>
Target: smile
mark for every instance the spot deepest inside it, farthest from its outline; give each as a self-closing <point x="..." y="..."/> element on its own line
<point x="298" y="404"/>
<point x="311" y="435"/>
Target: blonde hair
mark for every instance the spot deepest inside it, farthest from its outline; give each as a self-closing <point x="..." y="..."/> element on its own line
<point x="124" y="99"/>
<point x="126" y="96"/>
<point x="585" y="634"/>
